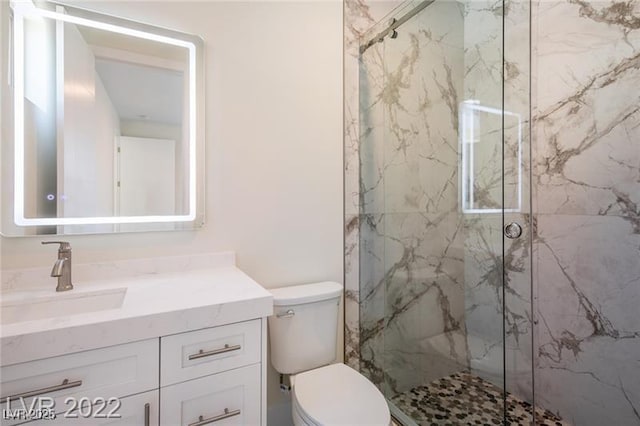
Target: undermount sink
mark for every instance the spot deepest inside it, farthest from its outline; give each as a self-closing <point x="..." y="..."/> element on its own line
<point x="19" y="309"/>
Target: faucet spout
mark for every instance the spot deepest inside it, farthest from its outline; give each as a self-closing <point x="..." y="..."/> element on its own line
<point x="62" y="268"/>
<point x="57" y="267"/>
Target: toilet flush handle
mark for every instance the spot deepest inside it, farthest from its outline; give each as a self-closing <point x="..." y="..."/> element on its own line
<point x="287" y="314"/>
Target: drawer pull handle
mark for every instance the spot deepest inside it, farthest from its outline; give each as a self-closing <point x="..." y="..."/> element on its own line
<point x="203" y="354"/>
<point x="202" y="421"/>
<point x="287" y="314"/>
<point x="147" y="414"/>
<point x="66" y="384"/>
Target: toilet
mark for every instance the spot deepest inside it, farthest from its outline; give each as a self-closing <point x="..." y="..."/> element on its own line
<point x="303" y="333"/>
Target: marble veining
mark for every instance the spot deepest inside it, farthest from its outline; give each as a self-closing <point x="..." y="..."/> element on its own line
<point x="587" y="191"/>
<point x="584" y="221"/>
<point x="430" y="278"/>
<point x="411" y="245"/>
<point x="359" y="16"/>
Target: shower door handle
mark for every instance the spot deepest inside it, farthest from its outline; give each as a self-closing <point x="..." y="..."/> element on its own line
<point x="513" y="230"/>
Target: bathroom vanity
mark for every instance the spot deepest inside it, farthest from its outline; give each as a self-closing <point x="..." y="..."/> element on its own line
<point x="173" y="341"/>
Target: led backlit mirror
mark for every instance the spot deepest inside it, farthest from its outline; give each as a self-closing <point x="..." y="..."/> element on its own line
<point x="107" y="133"/>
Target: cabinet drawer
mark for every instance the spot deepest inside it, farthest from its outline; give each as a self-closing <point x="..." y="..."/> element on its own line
<point x="137" y="410"/>
<point x="229" y="398"/>
<point x="200" y="353"/>
<point x="116" y="371"/>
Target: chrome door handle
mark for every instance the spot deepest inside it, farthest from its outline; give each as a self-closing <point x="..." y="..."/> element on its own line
<point x="202" y="353"/>
<point x="513" y="230"/>
<point x="287" y="314"/>
<point x="66" y="384"/>
<point x="202" y="421"/>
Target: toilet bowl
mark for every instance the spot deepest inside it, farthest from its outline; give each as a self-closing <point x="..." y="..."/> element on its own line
<point x="337" y="395"/>
<point x="303" y="335"/>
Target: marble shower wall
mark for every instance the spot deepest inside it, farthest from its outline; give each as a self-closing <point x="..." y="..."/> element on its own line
<point x="497" y="73"/>
<point x="359" y="16"/>
<point x="586" y="192"/>
<point x="587" y="204"/>
<point x="411" y="242"/>
<point x="428" y="272"/>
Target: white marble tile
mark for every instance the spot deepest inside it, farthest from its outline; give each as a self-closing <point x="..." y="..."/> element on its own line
<point x="588" y="331"/>
<point x="372" y="296"/>
<point x="587" y="191"/>
<point x="359" y="16"/>
<point x="424" y="294"/>
<point x="412" y="88"/>
<point x="587" y="108"/>
<point x="423" y="87"/>
<point x="412" y="360"/>
<point x="372" y="131"/>
<point x="352" y="291"/>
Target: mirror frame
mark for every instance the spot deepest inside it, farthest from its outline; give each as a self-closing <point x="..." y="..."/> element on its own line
<point x="74" y="15"/>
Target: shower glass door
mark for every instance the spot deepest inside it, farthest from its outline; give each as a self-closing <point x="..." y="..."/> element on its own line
<point x="445" y="297"/>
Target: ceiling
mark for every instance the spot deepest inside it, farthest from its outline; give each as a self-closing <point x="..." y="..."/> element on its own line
<point x="141" y="92"/>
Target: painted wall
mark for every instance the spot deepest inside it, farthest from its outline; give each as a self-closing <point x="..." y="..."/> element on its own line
<point x="274" y="143"/>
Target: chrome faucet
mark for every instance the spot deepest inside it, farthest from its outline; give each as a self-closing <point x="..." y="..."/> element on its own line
<point x="62" y="267"/>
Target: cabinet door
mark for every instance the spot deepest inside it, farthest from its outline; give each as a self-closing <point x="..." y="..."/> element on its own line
<point x="116" y="371"/>
<point x="199" y="353"/>
<point x="229" y="398"/>
<point x="135" y="410"/>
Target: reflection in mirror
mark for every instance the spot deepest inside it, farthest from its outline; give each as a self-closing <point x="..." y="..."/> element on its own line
<point x="106" y="138"/>
<point x="483" y="185"/>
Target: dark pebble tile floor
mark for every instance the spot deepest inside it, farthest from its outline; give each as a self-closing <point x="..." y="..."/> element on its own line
<point x="465" y="399"/>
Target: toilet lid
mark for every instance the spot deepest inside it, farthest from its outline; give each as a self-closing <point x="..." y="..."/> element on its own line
<point x="339" y="395"/>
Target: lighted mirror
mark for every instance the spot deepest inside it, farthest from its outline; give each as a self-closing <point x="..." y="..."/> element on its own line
<point x="484" y="132"/>
<point x="107" y="133"/>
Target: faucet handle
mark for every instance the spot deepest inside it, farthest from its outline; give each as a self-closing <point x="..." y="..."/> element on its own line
<point x="64" y="245"/>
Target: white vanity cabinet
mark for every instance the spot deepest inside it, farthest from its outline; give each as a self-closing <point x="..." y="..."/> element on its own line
<point x="209" y="376"/>
<point x="77" y="380"/>
<point x="140" y="409"/>
<point x="212" y="376"/>
<point x="229" y="398"/>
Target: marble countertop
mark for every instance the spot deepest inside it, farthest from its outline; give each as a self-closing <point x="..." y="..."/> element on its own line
<point x="156" y="303"/>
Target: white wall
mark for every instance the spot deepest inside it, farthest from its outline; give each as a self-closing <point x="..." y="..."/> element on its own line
<point x="149" y="129"/>
<point x="274" y="142"/>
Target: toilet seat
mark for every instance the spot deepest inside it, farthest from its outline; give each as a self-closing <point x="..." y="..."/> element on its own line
<point x="338" y="395"/>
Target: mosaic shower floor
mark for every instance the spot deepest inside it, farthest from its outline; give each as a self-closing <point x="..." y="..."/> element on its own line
<point x="465" y="399"/>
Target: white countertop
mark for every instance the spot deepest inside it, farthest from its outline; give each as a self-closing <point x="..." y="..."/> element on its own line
<point x="155" y="304"/>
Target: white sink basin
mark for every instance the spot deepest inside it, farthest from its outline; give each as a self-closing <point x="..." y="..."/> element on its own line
<point x="25" y="308"/>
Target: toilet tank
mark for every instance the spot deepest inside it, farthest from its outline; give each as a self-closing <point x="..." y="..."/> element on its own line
<point x="304" y="325"/>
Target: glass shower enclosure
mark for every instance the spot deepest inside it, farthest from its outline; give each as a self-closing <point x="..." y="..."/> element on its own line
<point x="445" y="224"/>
